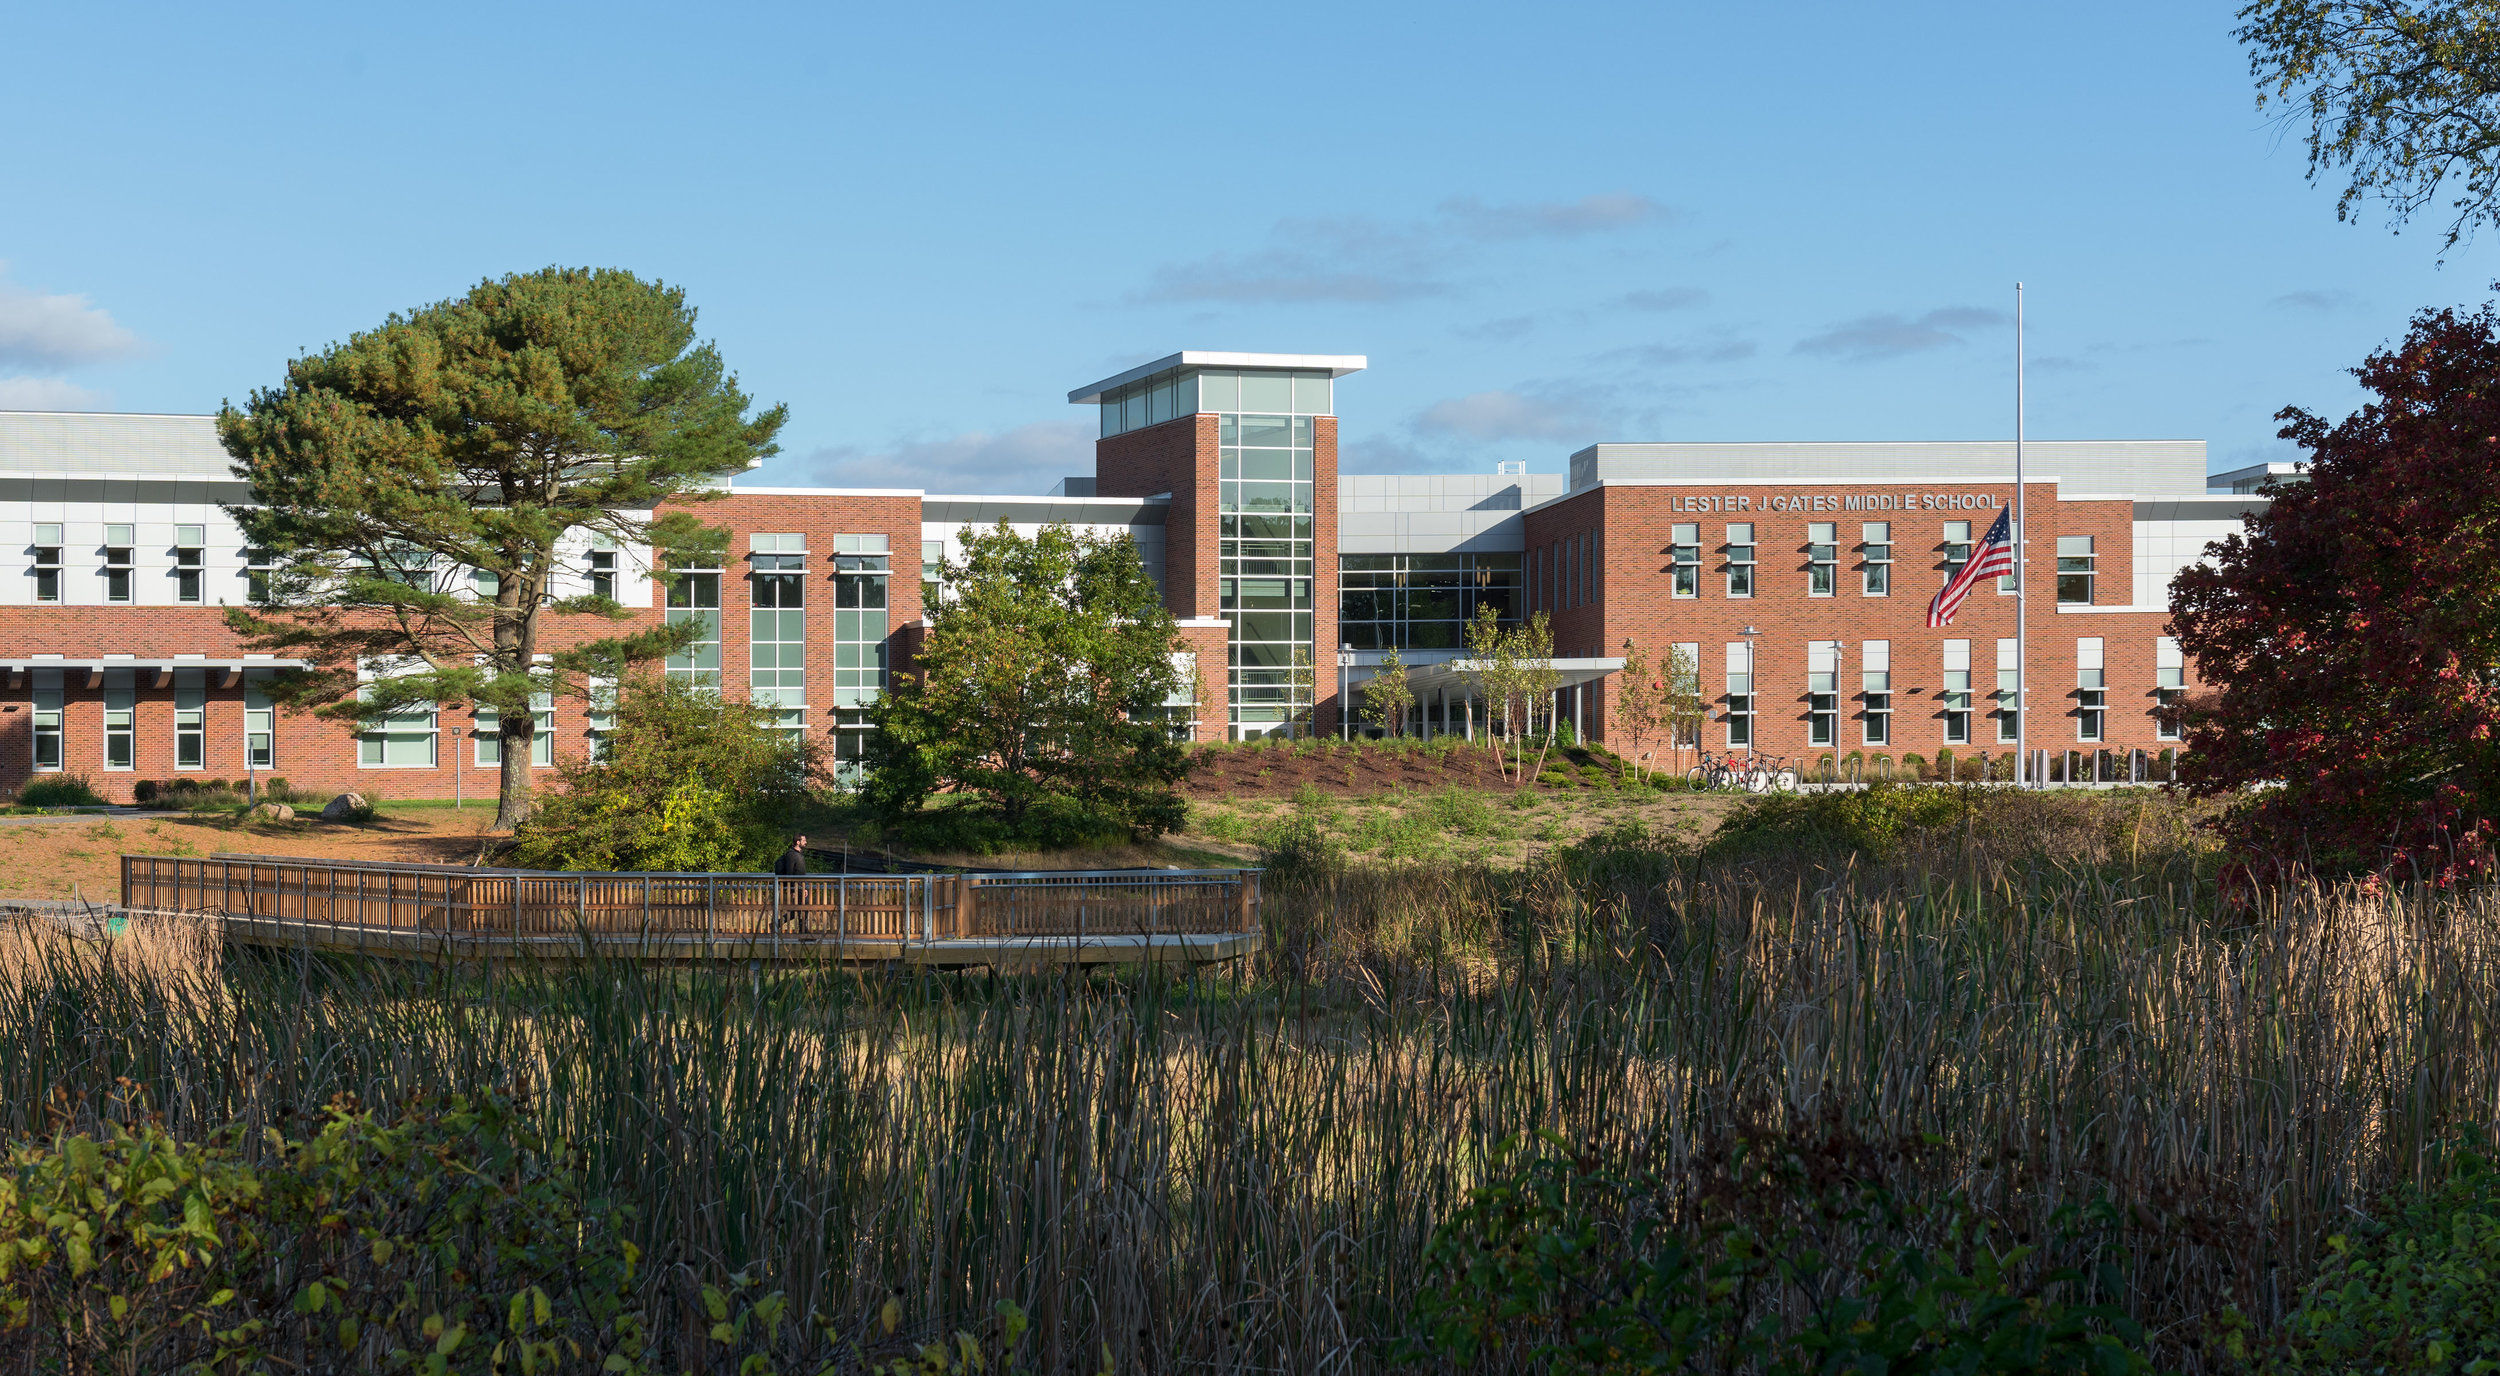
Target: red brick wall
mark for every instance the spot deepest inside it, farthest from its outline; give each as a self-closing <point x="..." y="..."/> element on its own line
<point x="317" y="756"/>
<point x="1632" y="527"/>
<point x="1178" y="457"/>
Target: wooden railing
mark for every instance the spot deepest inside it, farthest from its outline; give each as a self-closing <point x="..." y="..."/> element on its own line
<point x="456" y="901"/>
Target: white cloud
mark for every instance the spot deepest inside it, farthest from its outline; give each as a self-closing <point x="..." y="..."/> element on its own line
<point x="40" y="331"/>
<point x="2326" y="299"/>
<point x="48" y="394"/>
<point x="1507" y="415"/>
<point x="1023" y="461"/>
<point x="1891" y="335"/>
<point x="1561" y="219"/>
<point x="1347" y="258"/>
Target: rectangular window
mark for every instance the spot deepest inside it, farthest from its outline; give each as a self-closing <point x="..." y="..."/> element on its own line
<point x="861" y="567"/>
<point x="1740" y="549"/>
<point x="47" y="563"/>
<point x="119" y="540"/>
<point x="1684" y="562"/>
<point x="1410" y="601"/>
<point x="486" y="583"/>
<point x="1822" y="692"/>
<point x="694" y="595"/>
<point x="1684" y="672"/>
<point x="2074" y="569"/>
<point x="1957" y="692"/>
<point x="260" y="725"/>
<point x="599" y="714"/>
<point x="1875" y="683"/>
<point x="602" y="568"/>
<point x="1588" y="569"/>
<point x="542" y="734"/>
<point x="47" y="720"/>
<point x="2091" y="691"/>
<point x="1740" y="695"/>
<point x="1956" y="548"/>
<point x="1822" y="558"/>
<point x="2169" y="688"/>
<point x="121" y="719"/>
<point x="777" y="627"/>
<point x="2009" y="711"/>
<point x="190" y="561"/>
<point x="258" y="565"/>
<point x="402" y="740"/>
<point x="932" y="568"/>
<point x="1875" y="553"/>
<point x="190" y="719"/>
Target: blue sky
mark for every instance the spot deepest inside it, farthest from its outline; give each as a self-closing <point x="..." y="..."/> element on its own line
<point x="921" y="225"/>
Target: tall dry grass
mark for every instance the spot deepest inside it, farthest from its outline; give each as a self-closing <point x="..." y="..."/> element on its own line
<point x="1237" y="1171"/>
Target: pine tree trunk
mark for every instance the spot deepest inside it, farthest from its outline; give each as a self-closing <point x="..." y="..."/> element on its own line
<point x="513" y="733"/>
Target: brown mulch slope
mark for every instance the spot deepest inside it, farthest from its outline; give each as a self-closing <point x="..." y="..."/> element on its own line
<point x="82" y="855"/>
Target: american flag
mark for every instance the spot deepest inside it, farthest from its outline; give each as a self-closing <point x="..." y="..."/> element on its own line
<point x="1993" y="558"/>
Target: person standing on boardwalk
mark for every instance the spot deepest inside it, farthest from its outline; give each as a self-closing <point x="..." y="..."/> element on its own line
<point x="793" y="860"/>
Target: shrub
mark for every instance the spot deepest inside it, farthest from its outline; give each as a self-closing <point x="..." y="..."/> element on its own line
<point x="452" y="1238"/>
<point x="1874" y="821"/>
<point x="59" y="790"/>
<point x="691" y="780"/>
<point x="1577" y="1269"/>
<point x="2419" y="1291"/>
<point x="1914" y="765"/>
<point x="144" y="791"/>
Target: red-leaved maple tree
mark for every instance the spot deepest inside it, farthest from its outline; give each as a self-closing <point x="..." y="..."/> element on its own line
<point x="2350" y="639"/>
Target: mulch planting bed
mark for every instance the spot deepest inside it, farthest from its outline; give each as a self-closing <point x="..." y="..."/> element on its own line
<point x="1267" y="771"/>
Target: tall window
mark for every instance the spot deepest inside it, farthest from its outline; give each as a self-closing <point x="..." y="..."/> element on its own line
<point x="260" y="724"/>
<point x="118" y="543"/>
<point x="1956" y="548"/>
<point x="1875" y="551"/>
<point x="2009" y="712"/>
<point x="1822" y="558"/>
<point x="1686" y="666"/>
<point x="602" y="566"/>
<point x="1875" y="683"/>
<point x="860" y="570"/>
<point x="694" y="595"/>
<point x="542" y="734"/>
<point x="258" y="566"/>
<point x="2169" y="688"/>
<point x="1740" y="549"/>
<point x="2091" y="693"/>
<point x="47" y="563"/>
<point x="190" y="718"/>
<point x="932" y="568"/>
<point x="1684" y="562"/>
<point x="1412" y="601"/>
<point x="47" y="720"/>
<point x="1822" y="692"/>
<point x="1264" y="577"/>
<point x="599" y="714"/>
<point x="1957" y="692"/>
<point x="190" y="561"/>
<point x="2074" y="568"/>
<point x="1740" y="695"/>
<point x="777" y="627"/>
<point x="121" y="719"/>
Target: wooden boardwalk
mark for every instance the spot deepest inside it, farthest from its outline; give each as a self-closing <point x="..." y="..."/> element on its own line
<point x="456" y="913"/>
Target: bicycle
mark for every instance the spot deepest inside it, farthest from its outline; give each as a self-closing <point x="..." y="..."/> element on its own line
<point x="1713" y="772"/>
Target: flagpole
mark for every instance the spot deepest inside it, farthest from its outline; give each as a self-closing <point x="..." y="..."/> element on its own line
<point x="2022" y="568"/>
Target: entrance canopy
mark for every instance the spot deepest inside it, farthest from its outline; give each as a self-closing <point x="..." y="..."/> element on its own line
<point x="1456" y="677"/>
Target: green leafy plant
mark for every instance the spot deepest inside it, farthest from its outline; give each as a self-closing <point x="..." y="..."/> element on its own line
<point x="2419" y="1291"/>
<point x="1577" y="1268"/>
<point x="451" y="1237"/>
<point x="690" y="781"/>
<point x="59" y="790"/>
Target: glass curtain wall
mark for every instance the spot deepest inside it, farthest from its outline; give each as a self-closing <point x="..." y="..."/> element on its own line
<point x="1264" y="573"/>
<point x="861" y="566"/>
<point x="1422" y="601"/>
<point x="777" y="627"/>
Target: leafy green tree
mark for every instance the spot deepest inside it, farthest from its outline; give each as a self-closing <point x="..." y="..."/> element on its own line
<point x="1040" y="693"/>
<point x="2404" y="95"/>
<point x="687" y="780"/>
<point x="1386" y="697"/>
<point x="418" y="489"/>
<point x="1513" y="666"/>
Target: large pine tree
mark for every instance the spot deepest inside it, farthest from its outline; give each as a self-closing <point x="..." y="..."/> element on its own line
<point x="418" y="489"/>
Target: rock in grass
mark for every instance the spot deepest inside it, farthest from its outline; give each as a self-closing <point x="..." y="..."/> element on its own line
<point x="274" y="812"/>
<point x="343" y="807"/>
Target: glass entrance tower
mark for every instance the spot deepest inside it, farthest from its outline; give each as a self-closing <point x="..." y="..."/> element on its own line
<point x="1245" y="446"/>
